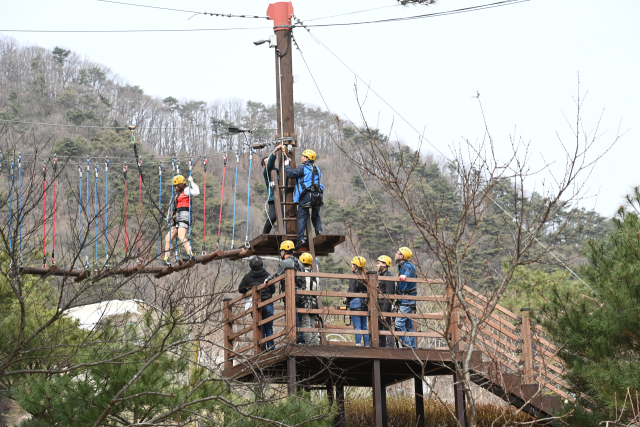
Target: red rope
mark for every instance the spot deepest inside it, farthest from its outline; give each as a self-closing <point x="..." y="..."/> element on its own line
<point x="55" y="192"/>
<point x="204" y="213"/>
<point x="224" y="171"/>
<point x="139" y="210"/>
<point x="44" y="217"/>
<point x="126" y="240"/>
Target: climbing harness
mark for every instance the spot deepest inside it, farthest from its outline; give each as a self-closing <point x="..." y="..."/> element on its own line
<point x="125" y="168"/>
<point x="235" y="198"/>
<point x="224" y="171"/>
<point x="204" y="209"/>
<point x="246" y="238"/>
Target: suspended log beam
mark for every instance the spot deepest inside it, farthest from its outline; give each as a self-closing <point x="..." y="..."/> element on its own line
<point x="53" y="270"/>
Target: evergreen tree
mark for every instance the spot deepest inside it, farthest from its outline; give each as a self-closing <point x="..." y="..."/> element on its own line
<point x="601" y="332"/>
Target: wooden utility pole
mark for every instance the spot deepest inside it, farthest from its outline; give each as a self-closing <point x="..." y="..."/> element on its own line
<point x="280" y="13"/>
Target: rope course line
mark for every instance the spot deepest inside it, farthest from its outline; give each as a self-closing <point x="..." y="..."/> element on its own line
<point x="80" y="218"/>
<point x="204" y="208"/>
<point x="190" y="168"/>
<point x="188" y="30"/>
<point x="10" y="208"/>
<point x="224" y="171"/>
<point x="44" y="216"/>
<point x="353" y="13"/>
<point x="86" y="210"/>
<point x="95" y="214"/>
<point x="125" y="169"/>
<point x="160" y="213"/>
<point x="235" y="199"/>
<point x="20" y="203"/>
<point x="55" y="203"/>
<point x="246" y="238"/>
<point x="106" y="226"/>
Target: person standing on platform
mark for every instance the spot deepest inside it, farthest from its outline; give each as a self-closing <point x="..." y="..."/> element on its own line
<point x="386" y="288"/>
<point x="268" y="165"/>
<point x="307" y="191"/>
<point x="358" y="265"/>
<point x="406" y="270"/>
<point x="310" y="302"/>
<point x="256" y="277"/>
<point x="290" y="262"/>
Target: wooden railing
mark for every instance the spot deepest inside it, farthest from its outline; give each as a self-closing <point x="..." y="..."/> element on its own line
<point x="509" y="341"/>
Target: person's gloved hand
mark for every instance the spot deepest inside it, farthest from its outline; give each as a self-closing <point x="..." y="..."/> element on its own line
<point x="403" y="277"/>
<point x="190" y="179"/>
<point x="344" y="301"/>
<point x="286" y="162"/>
<point x="272" y="184"/>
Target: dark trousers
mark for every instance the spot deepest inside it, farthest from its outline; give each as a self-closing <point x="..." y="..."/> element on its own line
<point x="303" y="213"/>
<point x="384" y="324"/>
<point x="271" y="220"/>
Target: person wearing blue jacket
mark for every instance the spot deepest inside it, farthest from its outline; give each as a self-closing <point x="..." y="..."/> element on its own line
<point x="268" y="165"/>
<point x="304" y="177"/>
<point x="406" y="270"/>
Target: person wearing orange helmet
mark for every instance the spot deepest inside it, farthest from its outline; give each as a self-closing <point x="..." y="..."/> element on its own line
<point x="308" y="194"/>
<point x="180" y="220"/>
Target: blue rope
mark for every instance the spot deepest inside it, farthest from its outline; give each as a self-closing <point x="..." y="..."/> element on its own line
<point x="235" y="198"/>
<point x="95" y="212"/>
<point x="246" y="239"/>
<point x="79" y="215"/>
<point x="160" y="213"/>
<point x="20" y="202"/>
<point x="10" y="209"/>
<point x="106" y="226"/>
<point x="86" y="210"/>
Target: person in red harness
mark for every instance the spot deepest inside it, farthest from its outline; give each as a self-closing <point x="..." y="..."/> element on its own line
<point x="180" y="217"/>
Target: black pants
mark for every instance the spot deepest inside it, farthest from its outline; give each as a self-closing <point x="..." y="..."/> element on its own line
<point x="384" y="324"/>
<point x="271" y="220"/>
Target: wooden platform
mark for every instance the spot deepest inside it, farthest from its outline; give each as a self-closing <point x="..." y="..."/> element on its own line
<point x="269" y="244"/>
<point x="349" y="365"/>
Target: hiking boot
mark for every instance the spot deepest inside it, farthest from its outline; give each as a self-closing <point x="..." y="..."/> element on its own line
<point x="166" y="262"/>
<point x="188" y="258"/>
<point x="302" y="245"/>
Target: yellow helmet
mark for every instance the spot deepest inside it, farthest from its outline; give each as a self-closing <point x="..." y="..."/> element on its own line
<point x="406" y="253"/>
<point x="385" y="259"/>
<point x="178" y="179"/>
<point x="287" y="245"/>
<point x="359" y="261"/>
<point x="309" y="154"/>
<point x="306" y="258"/>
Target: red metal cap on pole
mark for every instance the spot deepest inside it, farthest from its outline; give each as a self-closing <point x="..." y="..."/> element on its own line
<point x="280" y="13"/>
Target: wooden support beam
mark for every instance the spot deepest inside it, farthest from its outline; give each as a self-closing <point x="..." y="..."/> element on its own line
<point x="372" y="291"/>
<point x="290" y="301"/>
<point x="458" y="394"/>
<point x="527" y="349"/>
<point x="340" y="418"/>
<point x="419" y="393"/>
<point x="379" y="401"/>
<point x="228" y="329"/>
<point x="454" y="331"/>
<point x="255" y="299"/>
<point x="292" y="375"/>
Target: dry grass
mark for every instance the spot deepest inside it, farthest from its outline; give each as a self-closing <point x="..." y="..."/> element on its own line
<point x="401" y="413"/>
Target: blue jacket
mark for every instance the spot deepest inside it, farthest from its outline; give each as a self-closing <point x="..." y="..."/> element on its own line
<point x="266" y="173"/>
<point x="407" y="288"/>
<point x="303" y="175"/>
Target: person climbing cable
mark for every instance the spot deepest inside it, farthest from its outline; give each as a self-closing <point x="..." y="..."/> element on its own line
<point x="180" y="220"/>
<point x="311" y="302"/>
<point x="386" y="288"/>
<point x="291" y="262"/>
<point x="308" y="194"/>
<point x="406" y="270"/>
<point x="268" y="165"/>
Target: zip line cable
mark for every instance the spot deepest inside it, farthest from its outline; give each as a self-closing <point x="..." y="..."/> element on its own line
<point x="429" y="142"/>
<point x="426" y="15"/>
<point x="190" y="30"/>
<point x="235" y="199"/>
<point x="353" y="13"/>
<point x="225" y="15"/>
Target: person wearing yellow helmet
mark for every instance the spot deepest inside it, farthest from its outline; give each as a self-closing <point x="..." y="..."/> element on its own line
<point x="183" y="192"/>
<point x="406" y="270"/>
<point x="385" y="288"/>
<point x="358" y="267"/>
<point x="310" y="302"/>
<point x="290" y="262"/>
<point x="269" y="165"/>
<point x="308" y="194"/>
